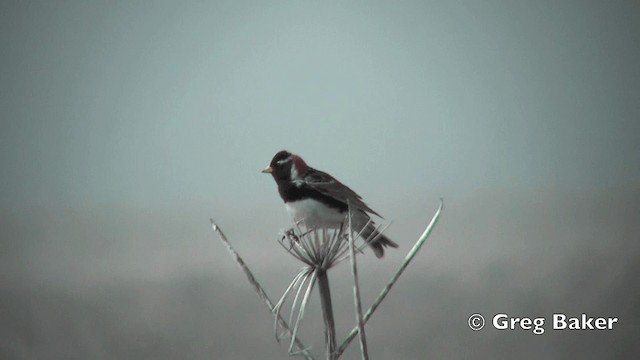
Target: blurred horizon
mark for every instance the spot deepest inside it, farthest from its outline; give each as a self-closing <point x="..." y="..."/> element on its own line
<point x="567" y="254"/>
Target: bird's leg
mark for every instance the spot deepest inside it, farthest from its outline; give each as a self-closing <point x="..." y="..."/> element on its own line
<point x="291" y="235"/>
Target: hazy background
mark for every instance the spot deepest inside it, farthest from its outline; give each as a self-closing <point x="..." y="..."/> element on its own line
<point x="127" y="124"/>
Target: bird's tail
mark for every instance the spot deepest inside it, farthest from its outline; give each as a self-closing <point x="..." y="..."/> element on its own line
<point x="377" y="241"/>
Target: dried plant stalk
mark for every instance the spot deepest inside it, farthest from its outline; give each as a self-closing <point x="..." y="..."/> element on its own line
<point x="356" y="293"/>
<point x="259" y="290"/>
<point x="319" y="250"/>
<point x="327" y="313"/>
<point x="394" y="278"/>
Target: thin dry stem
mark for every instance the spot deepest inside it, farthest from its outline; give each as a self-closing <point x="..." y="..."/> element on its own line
<point x="356" y="293"/>
<point x="393" y="280"/>
<point x="259" y="290"/>
<point x="327" y="313"/>
<point x="303" y="306"/>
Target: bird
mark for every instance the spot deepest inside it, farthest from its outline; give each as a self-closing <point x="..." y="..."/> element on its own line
<point x="321" y="201"/>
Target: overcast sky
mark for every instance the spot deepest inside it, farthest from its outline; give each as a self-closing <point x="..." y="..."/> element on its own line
<point x="125" y="125"/>
<point x="181" y="101"/>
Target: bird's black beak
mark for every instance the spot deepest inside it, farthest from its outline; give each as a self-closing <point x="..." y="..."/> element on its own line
<point x="267" y="170"/>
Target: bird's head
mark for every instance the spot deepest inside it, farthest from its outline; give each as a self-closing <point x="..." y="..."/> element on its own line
<point x="286" y="166"/>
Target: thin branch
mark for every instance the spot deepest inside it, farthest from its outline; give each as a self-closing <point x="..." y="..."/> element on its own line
<point x="258" y="288"/>
<point x="395" y="277"/>
<point x="356" y="292"/>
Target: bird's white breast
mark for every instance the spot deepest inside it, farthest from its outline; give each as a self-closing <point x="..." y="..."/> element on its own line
<point x="314" y="213"/>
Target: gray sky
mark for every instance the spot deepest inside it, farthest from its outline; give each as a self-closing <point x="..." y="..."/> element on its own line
<point x="125" y="125"/>
<point x="127" y="102"/>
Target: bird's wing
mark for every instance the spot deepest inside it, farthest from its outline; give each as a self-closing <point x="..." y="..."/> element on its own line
<point x="328" y="185"/>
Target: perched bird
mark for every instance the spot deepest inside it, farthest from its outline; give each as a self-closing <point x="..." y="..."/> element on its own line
<point x="320" y="200"/>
